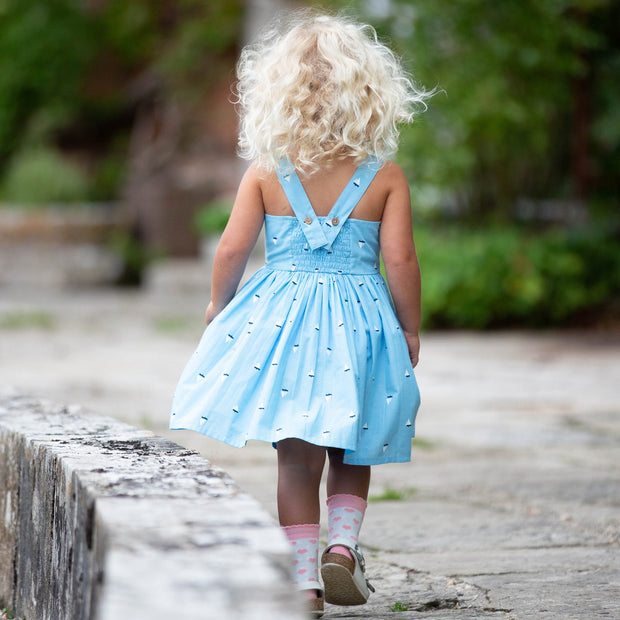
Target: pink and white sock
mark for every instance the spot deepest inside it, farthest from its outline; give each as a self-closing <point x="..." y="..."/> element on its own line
<point x="304" y="541"/>
<point x="345" y="514"/>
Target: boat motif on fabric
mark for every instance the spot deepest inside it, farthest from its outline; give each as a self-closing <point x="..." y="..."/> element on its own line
<point x="310" y="346"/>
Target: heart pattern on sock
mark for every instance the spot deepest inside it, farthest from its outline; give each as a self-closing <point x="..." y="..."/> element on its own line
<point x="345" y="514"/>
<point x="304" y="540"/>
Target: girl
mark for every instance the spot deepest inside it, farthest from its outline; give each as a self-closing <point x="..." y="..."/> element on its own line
<point x="312" y="354"/>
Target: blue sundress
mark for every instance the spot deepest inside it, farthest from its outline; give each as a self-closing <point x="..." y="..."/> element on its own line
<point x="310" y="347"/>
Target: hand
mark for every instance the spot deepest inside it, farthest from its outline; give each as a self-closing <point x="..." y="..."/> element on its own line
<point x="413" y="344"/>
<point x="211" y="313"/>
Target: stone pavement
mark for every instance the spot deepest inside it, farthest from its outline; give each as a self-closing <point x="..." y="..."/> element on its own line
<point x="510" y="507"/>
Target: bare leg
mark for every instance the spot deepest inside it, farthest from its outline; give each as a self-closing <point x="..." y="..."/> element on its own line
<point x="300" y="465"/>
<point x="343" y="478"/>
<point x="347" y="491"/>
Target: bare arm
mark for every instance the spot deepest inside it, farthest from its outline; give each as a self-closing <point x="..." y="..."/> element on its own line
<point x="400" y="259"/>
<point x="236" y="244"/>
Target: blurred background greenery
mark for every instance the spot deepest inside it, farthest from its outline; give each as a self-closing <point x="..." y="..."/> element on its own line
<point x="513" y="168"/>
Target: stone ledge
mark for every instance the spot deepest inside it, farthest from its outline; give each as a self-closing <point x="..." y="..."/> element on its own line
<point x="85" y="223"/>
<point x="101" y="520"/>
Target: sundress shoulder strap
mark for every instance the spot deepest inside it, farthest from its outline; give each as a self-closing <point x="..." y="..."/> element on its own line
<point x="350" y="196"/>
<point x="298" y="199"/>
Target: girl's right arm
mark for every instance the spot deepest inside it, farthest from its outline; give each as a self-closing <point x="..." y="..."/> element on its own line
<point x="236" y="243"/>
<point x="400" y="259"/>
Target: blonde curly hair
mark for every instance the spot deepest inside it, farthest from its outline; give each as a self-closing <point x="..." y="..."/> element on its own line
<point x="324" y="89"/>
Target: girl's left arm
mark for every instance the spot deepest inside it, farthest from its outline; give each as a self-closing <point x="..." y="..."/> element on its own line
<point x="400" y="259"/>
<point x="236" y="243"/>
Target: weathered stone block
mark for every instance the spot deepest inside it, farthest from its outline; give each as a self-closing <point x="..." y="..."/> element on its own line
<point x="101" y="520"/>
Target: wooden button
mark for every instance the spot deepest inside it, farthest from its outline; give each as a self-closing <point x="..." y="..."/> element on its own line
<point x="335" y="221"/>
<point x="308" y="220"/>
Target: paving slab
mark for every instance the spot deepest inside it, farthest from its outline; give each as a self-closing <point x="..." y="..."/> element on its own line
<point x="510" y="507"/>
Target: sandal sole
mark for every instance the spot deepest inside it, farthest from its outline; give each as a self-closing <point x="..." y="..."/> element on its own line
<point x="340" y="587"/>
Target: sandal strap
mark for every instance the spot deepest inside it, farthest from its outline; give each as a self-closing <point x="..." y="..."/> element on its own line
<point x="355" y="550"/>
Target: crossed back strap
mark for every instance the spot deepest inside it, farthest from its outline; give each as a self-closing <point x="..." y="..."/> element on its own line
<point x="323" y="234"/>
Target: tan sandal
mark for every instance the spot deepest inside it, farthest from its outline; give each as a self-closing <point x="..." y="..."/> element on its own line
<point x="344" y="578"/>
<point x="315" y="606"/>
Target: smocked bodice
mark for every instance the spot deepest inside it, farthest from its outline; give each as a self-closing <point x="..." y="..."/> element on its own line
<point x="355" y="250"/>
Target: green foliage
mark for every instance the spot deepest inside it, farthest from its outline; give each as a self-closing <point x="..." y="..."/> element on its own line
<point x="503" y="124"/>
<point x="500" y="276"/>
<point x="419" y="443"/>
<point x="42" y="175"/>
<point x="135" y="258"/>
<point x="26" y="320"/>
<point x="131" y="29"/>
<point x="398" y="606"/>
<point x="392" y="495"/>
<point x="212" y="218"/>
<point x="110" y="172"/>
<point x="204" y="31"/>
<point x="177" y="40"/>
<point x="45" y="49"/>
<point x="70" y="68"/>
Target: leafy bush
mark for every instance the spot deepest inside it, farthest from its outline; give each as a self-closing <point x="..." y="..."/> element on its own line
<point x="527" y="86"/>
<point x="42" y="175"/>
<point x="109" y="172"/>
<point x="497" y="277"/>
<point x="45" y="51"/>
<point x="213" y="217"/>
<point x="135" y="257"/>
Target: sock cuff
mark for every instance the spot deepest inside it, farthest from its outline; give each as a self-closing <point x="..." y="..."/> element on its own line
<point x="307" y="530"/>
<point x="310" y="584"/>
<point x="344" y="500"/>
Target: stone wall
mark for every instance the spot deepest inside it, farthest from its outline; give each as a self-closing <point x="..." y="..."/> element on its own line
<point x="100" y="520"/>
<point x="56" y="247"/>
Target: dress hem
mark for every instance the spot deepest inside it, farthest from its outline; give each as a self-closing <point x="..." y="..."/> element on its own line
<point x="348" y="451"/>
